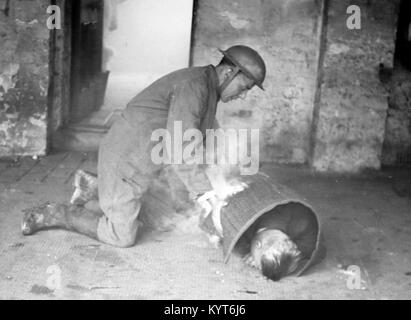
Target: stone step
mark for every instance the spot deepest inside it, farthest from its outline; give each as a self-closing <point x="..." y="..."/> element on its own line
<point x="84" y="139"/>
<point x="85" y="136"/>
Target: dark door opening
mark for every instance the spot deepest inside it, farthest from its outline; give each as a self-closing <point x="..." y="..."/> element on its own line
<point x="403" y="42"/>
<point x="397" y="143"/>
<point x="88" y="82"/>
<point x="91" y="43"/>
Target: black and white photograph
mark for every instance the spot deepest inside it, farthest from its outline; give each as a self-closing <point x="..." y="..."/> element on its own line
<point x="205" y="150"/>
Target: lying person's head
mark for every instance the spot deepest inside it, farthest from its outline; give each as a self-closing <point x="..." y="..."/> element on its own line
<point x="274" y="253"/>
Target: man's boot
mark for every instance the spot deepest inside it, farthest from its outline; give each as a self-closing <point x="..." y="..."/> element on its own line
<point x="85" y="188"/>
<point x="74" y="218"/>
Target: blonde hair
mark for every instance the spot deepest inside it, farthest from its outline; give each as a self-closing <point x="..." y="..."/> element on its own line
<point x="280" y="256"/>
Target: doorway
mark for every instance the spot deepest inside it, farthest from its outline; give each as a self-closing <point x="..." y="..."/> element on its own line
<point x="397" y="143"/>
<point x="88" y="81"/>
<point x="143" y="40"/>
<point x="108" y="52"/>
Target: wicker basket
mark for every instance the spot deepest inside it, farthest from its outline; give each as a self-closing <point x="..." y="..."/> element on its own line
<point x="261" y="198"/>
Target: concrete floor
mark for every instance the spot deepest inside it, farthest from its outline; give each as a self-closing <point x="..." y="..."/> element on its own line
<point x="366" y="224"/>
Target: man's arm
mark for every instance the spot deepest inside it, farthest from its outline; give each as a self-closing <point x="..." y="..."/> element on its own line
<point x="186" y="108"/>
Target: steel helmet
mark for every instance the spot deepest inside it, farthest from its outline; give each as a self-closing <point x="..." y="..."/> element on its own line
<point x="248" y="61"/>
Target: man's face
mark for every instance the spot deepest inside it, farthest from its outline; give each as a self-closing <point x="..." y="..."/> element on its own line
<point x="237" y="88"/>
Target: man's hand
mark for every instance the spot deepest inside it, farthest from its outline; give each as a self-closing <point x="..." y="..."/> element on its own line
<point x="227" y="189"/>
<point x="211" y="203"/>
<point x="224" y="187"/>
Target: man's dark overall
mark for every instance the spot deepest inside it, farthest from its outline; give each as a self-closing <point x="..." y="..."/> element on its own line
<point x="125" y="167"/>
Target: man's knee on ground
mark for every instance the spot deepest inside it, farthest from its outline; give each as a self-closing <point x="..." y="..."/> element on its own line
<point x="125" y="237"/>
<point x="118" y="235"/>
<point x="125" y="243"/>
<point x="121" y="240"/>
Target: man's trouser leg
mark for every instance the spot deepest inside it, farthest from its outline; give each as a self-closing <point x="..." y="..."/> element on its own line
<point x="124" y="175"/>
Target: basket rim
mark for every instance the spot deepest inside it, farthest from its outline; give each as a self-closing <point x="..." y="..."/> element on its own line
<point x="265" y="210"/>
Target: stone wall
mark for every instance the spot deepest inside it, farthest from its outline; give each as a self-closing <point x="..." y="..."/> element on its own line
<point x="352" y="112"/>
<point x="287" y="35"/>
<point x="24" y="78"/>
<point x="335" y="119"/>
